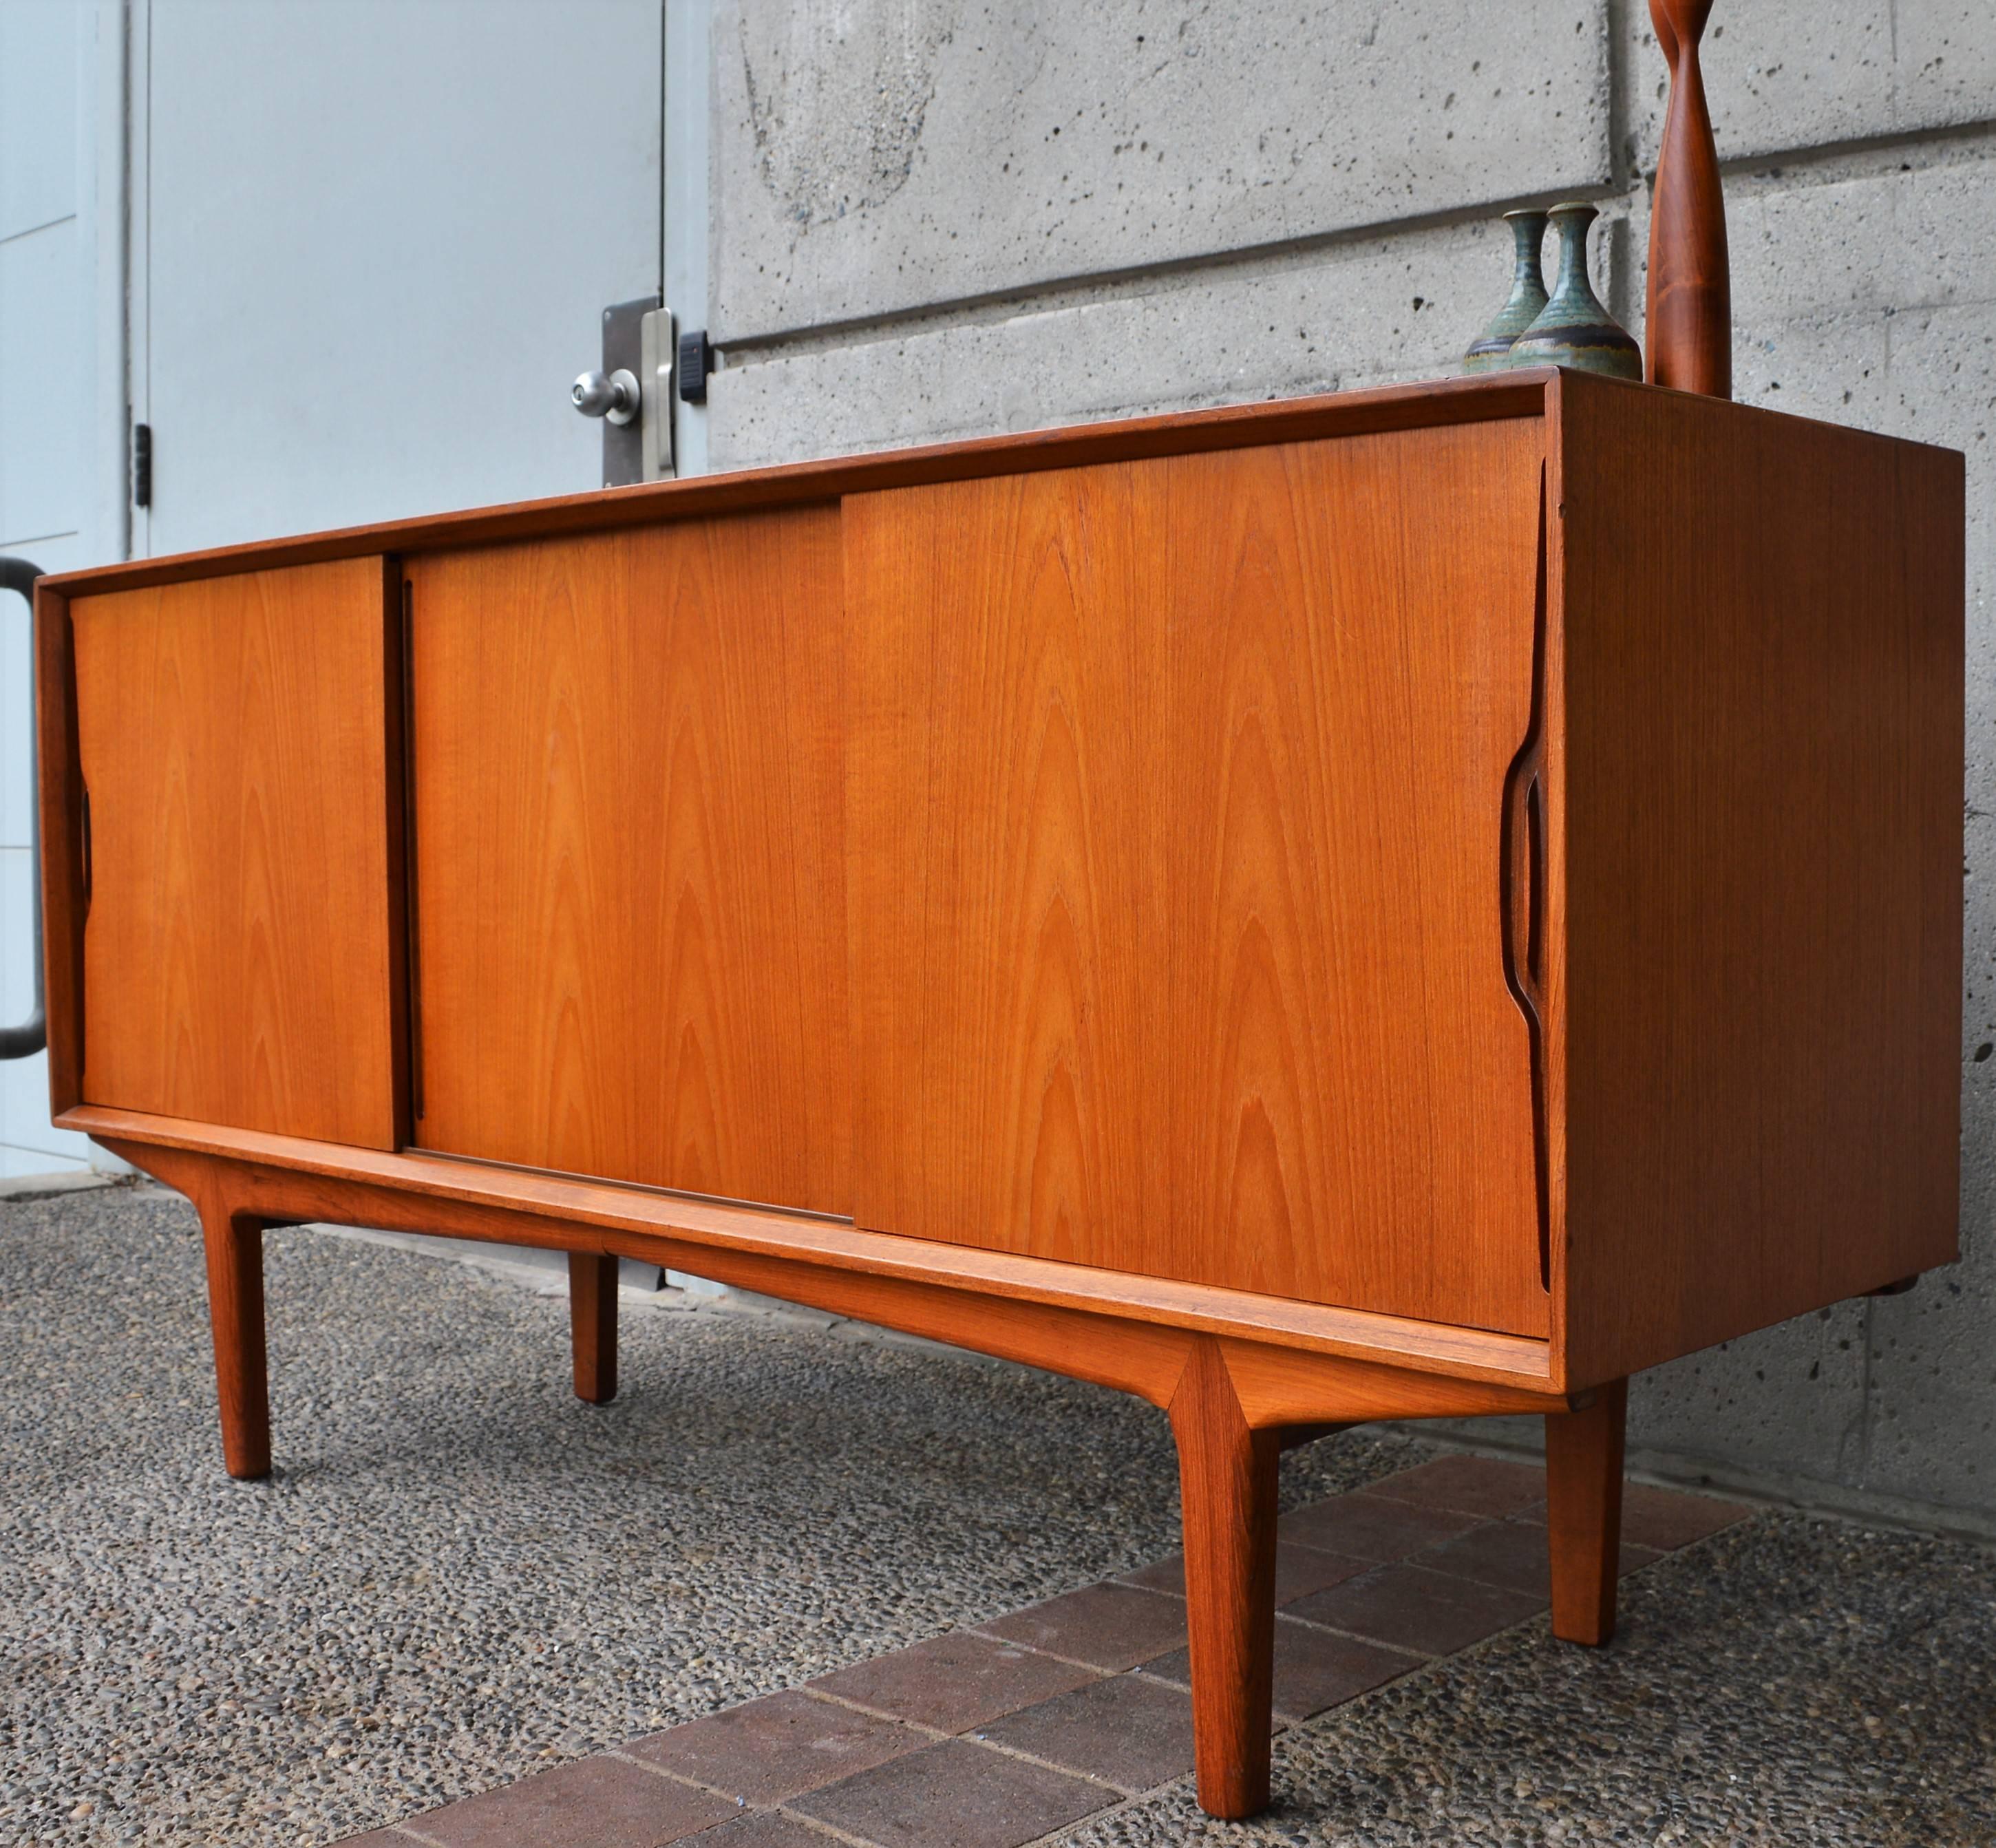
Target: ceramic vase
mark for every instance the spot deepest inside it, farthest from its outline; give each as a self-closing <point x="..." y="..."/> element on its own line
<point x="1573" y="329"/>
<point x="1492" y="347"/>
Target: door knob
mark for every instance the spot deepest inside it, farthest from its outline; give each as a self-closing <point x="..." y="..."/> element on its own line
<point x="613" y="397"/>
<point x="630" y="390"/>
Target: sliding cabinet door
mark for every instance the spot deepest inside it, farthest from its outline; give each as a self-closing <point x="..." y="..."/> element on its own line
<point x="630" y="889"/>
<point x="1177" y="800"/>
<point x="241" y="955"/>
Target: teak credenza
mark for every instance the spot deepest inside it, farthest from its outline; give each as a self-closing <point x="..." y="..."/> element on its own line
<point x="1417" y="902"/>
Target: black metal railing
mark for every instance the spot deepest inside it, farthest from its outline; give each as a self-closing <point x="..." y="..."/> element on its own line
<point x="24" y="1041"/>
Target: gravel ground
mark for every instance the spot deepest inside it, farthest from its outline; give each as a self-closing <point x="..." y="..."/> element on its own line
<point x="460" y="1574"/>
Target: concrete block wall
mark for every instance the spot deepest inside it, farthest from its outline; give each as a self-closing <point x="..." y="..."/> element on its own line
<point x="934" y="218"/>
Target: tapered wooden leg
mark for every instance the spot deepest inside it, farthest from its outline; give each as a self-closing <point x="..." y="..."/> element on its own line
<point x="592" y="1315"/>
<point x="1584" y="1513"/>
<point x="1226" y="1477"/>
<point x="235" y="1246"/>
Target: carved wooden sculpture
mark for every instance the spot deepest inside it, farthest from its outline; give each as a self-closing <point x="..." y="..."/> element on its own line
<point x="1689" y="335"/>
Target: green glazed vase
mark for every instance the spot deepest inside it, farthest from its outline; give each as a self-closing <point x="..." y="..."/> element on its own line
<point x="1573" y="329"/>
<point x="1491" y="348"/>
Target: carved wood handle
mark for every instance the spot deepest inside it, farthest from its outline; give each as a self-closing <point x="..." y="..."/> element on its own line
<point x="1689" y="334"/>
<point x="1521" y="890"/>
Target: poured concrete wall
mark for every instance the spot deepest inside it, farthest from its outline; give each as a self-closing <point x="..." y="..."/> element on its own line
<point x="934" y="219"/>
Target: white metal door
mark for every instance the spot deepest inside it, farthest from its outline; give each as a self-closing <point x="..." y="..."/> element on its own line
<point x="341" y="257"/>
<point x="61" y="428"/>
<point x="373" y="240"/>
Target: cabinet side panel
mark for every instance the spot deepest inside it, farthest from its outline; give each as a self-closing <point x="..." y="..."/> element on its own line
<point x="1177" y="791"/>
<point x="233" y="744"/>
<point x="1763" y="661"/>
<point x="630" y="887"/>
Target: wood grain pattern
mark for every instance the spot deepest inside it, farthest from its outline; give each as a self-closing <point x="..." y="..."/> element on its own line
<point x="1757" y="748"/>
<point x="628" y="829"/>
<point x="1175" y="796"/>
<point x="702" y="1236"/>
<point x="1003" y="731"/>
<point x="1350" y="1110"/>
<point x="1227" y="1479"/>
<point x="232" y="745"/>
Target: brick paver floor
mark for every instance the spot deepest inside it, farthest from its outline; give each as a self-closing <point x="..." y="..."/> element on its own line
<point x="1015" y="1731"/>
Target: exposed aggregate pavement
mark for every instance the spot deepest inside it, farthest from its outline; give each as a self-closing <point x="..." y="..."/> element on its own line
<point x="459" y="1572"/>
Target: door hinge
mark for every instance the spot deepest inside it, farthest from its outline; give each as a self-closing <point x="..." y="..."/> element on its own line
<point x="141" y="465"/>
